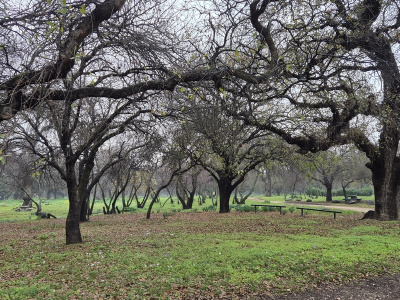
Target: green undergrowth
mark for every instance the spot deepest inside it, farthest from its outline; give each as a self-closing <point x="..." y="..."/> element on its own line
<point x="304" y="198"/>
<point x="192" y="255"/>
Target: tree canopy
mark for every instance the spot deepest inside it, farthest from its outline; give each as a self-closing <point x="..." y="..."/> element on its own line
<point x="315" y="73"/>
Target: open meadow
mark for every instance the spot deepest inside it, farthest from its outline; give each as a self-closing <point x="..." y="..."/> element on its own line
<point x="194" y="254"/>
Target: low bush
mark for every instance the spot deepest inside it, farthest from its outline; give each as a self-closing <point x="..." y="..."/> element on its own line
<point x="268" y="208"/>
<point x="367" y="191"/>
<point x="314" y="191"/>
<point x="210" y="208"/>
<point x="130" y="209"/>
<point x="243" y="208"/>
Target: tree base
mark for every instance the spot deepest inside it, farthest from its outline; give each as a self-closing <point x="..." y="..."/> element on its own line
<point x="369" y="215"/>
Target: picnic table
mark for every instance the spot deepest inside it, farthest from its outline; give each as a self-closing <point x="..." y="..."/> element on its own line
<point x="351" y="199"/>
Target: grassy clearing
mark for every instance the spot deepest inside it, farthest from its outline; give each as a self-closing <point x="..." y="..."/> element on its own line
<point x="192" y="255"/>
<point x="59" y="207"/>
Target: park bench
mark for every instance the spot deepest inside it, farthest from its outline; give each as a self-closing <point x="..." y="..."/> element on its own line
<point x="279" y="206"/>
<point x="323" y="210"/>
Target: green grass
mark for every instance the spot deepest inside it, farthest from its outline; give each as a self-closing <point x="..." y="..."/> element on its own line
<point x="190" y="254"/>
<point x="59" y="207"/>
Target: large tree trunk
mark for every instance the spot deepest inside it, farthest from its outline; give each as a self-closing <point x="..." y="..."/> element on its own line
<point x="328" y="186"/>
<point x="385" y="165"/>
<point x="386" y="181"/>
<point x="225" y="190"/>
<point x="72" y="229"/>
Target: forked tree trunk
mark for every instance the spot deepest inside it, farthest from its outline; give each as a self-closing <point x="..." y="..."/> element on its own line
<point x="344" y="192"/>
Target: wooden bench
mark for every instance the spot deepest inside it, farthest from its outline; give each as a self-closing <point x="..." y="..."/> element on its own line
<point x="323" y="210"/>
<point x="279" y="206"/>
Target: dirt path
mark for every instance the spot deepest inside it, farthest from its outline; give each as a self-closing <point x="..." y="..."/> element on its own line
<point x="375" y="288"/>
<point x="353" y="208"/>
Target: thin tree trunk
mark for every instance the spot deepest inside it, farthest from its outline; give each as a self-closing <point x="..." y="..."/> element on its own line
<point x="235" y="197"/>
<point x="84" y="210"/>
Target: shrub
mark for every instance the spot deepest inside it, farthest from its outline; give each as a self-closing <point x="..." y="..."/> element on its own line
<point x="292" y="209"/>
<point x="129" y="209"/>
<point x="268" y="208"/>
<point x="244" y="208"/>
<point x="314" y="191"/>
<point x="210" y="208"/>
<point x="367" y="191"/>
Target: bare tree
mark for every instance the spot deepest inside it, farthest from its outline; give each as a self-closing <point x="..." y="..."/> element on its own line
<point x="354" y="169"/>
<point x="224" y="147"/>
<point x="245" y="189"/>
<point x="70" y="143"/>
<point x="186" y="187"/>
